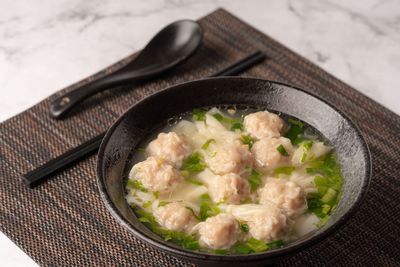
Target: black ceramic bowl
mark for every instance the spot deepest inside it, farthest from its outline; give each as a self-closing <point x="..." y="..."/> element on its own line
<point x="151" y="113"/>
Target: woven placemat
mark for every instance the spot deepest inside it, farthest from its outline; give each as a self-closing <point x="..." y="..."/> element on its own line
<point x="64" y="222"/>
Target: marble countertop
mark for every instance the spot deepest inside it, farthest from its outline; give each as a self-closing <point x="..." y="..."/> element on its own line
<point x="47" y="45"/>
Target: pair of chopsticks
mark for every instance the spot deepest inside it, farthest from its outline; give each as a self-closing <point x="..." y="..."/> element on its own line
<point x="45" y="171"/>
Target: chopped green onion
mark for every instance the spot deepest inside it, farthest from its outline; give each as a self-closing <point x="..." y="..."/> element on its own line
<point x="144" y="219"/>
<point x="147" y="204"/>
<point x="247" y="140"/>
<point x="307" y="144"/>
<point x="329" y="168"/>
<point x="303" y="158"/>
<point x="329" y="196"/>
<point x="322" y="184"/>
<point x="251" y="245"/>
<point x="193" y="181"/>
<point x="328" y="184"/>
<point x="207" y="207"/>
<point x="190" y="242"/>
<point x="254" y="180"/>
<point x="220" y="251"/>
<point x="181" y="239"/>
<point x="237" y="126"/>
<point x="310" y="170"/>
<point x="199" y="114"/>
<point x="295" y="131"/>
<point x="194" y="163"/>
<point x="284" y="170"/>
<point x="326" y="208"/>
<point x="307" y="147"/>
<point x="256" y="245"/>
<point x="218" y="117"/>
<point x="275" y="244"/>
<point x="163" y="203"/>
<point x="240" y="248"/>
<point x="194" y="213"/>
<point x="185" y="173"/>
<point x="281" y="149"/>
<point x="136" y="184"/>
<point x="296" y="122"/>
<point x="155" y="194"/>
<point x="207" y="143"/>
<point x="244" y="227"/>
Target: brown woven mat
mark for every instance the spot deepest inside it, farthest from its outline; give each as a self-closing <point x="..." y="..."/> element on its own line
<point x="64" y="222"/>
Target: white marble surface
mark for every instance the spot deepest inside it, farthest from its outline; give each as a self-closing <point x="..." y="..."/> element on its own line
<point x="46" y="45"/>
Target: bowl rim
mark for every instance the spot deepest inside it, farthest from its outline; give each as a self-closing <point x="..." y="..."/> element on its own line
<point x="267" y="255"/>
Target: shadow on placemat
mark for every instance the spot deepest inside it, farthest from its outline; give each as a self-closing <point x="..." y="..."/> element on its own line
<point x="64" y="223"/>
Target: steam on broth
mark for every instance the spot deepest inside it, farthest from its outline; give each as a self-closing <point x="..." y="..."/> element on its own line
<point x="232" y="181"/>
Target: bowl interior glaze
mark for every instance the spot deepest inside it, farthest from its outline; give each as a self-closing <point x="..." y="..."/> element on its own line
<point x="151" y="113"/>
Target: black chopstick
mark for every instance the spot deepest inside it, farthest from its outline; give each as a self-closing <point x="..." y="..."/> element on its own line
<point x="45" y="171"/>
<point x="241" y="65"/>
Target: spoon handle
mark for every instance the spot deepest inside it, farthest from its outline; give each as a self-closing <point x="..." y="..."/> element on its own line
<point x="38" y="175"/>
<point x="64" y="103"/>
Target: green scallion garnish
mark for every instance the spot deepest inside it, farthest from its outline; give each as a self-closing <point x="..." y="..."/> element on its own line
<point x="281" y="149"/>
<point x="284" y="170"/>
<point x="247" y="140"/>
<point x="199" y="114"/>
<point x="194" y="163"/>
<point x="244" y="227"/>
<point x="207" y="143"/>
<point x="254" y="180"/>
<point x="136" y="184"/>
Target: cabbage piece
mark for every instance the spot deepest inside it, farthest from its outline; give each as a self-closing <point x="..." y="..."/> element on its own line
<point x="243" y="212"/>
<point x="190" y="132"/>
<point x="187" y="192"/>
<point x="304" y="180"/>
<point x="139" y="198"/>
<point x="211" y="128"/>
<point x="305" y="224"/>
<point x="309" y="150"/>
<point x="207" y="177"/>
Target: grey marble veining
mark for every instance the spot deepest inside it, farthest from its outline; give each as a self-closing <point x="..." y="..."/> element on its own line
<point x="46" y="45"/>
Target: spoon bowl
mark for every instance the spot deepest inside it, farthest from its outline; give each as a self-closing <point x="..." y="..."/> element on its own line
<point x="169" y="47"/>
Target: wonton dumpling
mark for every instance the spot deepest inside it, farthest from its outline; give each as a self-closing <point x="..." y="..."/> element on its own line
<point x="171" y="147"/>
<point x="229" y="188"/>
<point x="263" y="124"/>
<point x="266" y="222"/>
<point x="230" y="158"/>
<point x="266" y="155"/>
<point x="156" y="175"/>
<point x="285" y="194"/>
<point x="175" y="216"/>
<point x="219" y="232"/>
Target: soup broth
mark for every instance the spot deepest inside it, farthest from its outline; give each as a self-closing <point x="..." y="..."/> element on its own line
<point x="234" y="181"/>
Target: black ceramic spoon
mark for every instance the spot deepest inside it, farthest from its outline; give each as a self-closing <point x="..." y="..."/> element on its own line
<point x="173" y="44"/>
<point x="61" y="162"/>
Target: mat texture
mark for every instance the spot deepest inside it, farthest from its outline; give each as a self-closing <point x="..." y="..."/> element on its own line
<point x="64" y="222"/>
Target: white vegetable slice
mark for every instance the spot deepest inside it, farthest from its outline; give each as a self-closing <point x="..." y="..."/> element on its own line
<point x="187" y="192"/>
<point x="301" y="155"/>
<point x="305" y="224"/>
